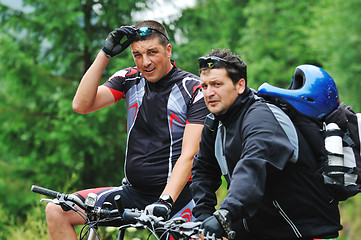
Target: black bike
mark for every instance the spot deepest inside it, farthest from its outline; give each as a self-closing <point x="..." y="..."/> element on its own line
<point x="178" y="228"/>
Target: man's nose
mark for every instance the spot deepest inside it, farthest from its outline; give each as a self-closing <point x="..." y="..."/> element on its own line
<point x="146" y="61"/>
<point x="208" y="92"/>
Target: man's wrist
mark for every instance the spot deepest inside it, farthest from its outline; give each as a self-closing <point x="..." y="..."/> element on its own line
<point x="166" y="198"/>
<point x="105" y="53"/>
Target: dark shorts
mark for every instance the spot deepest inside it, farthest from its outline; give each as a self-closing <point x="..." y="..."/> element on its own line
<point x="133" y="198"/>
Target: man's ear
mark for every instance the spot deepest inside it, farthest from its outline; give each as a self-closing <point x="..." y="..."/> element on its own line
<point x="241" y="85"/>
<point x="169" y="50"/>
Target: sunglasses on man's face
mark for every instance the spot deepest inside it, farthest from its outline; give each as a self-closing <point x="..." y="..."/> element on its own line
<point x="144" y="31"/>
<point x="212" y="62"/>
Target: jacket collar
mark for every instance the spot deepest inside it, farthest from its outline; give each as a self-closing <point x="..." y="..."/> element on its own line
<point x="241" y="101"/>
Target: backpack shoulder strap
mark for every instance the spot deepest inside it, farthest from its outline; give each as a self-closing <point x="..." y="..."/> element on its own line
<point x="288" y="127"/>
<point x="216" y="126"/>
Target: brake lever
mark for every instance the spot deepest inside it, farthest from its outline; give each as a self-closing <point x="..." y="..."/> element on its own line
<point x="190" y="229"/>
<point x="145" y="218"/>
<point x="47" y="200"/>
<point x="64" y="204"/>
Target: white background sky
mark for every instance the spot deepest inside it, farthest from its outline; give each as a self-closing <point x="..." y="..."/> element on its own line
<point x="165" y="9"/>
<point x="162" y="10"/>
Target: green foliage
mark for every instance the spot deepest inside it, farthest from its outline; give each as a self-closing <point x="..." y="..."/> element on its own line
<point x="350" y="218"/>
<point x="32" y="225"/>
<point x="209" y="25"/>
<point x="67" y="34"/>
<point x="269" y="58"/>
<point x="52" y="139"/>
<point x="337" y="41"/>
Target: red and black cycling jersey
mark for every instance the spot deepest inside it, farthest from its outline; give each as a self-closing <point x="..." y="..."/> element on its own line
<point x="157" y="114"/>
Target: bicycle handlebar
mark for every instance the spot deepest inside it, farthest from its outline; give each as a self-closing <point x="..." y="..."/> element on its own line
<point x="129" y="217"/>
<point x="58" y="195"/>
<point x="44" y="191"/>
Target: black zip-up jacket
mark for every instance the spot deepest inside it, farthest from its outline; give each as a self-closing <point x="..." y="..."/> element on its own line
<point x="269" y="195"/>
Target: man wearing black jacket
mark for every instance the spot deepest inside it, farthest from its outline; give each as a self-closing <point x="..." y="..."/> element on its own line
<point x="269" y="165"/>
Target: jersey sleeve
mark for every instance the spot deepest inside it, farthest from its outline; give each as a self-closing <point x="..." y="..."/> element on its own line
<point x="117" y="82"/>
<point x="197" y="110"/>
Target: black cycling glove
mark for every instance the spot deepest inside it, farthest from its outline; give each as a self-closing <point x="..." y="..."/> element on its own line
<point x="161" y="208"/>
<point x="217" y="226"/>
<point x="202" y="217"/>
<point x="112" y="45"/>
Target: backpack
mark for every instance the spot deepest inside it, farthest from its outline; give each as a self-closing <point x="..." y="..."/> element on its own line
<point x="341" y="169"/>
<point x="345" y="178"/>
<point x="313" y="94"/>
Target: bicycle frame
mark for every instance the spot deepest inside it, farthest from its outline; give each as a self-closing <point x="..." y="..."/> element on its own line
<point x="92" y="235"/>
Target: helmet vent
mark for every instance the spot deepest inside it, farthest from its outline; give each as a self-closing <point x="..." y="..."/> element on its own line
<point x="308" y="99"/>
<point x="298" y="79"/>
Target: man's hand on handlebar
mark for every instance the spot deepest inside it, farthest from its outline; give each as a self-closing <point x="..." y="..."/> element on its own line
<point x="161" y="208"/>
<point x="217" y="226"/>
<point x="212" y="229"/>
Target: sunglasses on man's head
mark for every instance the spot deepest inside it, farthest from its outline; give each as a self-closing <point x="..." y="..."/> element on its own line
<point x="144" y="31"/>
<point x="212" y="62"/>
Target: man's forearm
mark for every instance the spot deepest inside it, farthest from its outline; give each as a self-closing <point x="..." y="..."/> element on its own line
<point x="87" y="90"/>
<point x="182" y="169"/>
<point x="179" y="178"/>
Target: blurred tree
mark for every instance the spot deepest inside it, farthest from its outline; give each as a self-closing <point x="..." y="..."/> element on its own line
<point x="43" y="139"/>
<point x="208" y="25"/>
<point x="274" y="40"/>
<point x="337" y="40"/>
<point x="67" y="34"/>
<point x="44" y="53"/>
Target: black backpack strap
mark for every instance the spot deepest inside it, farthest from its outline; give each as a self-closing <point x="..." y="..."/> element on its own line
<point x="288" y="127"/>
<point x="211" y="122"/>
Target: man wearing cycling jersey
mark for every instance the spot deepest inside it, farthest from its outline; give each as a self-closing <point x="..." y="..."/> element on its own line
<point x="165" y="116"/>
<point x="274" y="192"/>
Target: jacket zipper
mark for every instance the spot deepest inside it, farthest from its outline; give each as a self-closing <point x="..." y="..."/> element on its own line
<point x="288" y="220"/>
<point x="245" y="225"/>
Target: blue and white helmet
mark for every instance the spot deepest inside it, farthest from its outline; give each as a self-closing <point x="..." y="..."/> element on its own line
<point x="312" y="92"/>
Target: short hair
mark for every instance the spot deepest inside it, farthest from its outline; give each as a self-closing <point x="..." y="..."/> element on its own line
<point x="237" y="68"/>
<point x="160" y="32"/>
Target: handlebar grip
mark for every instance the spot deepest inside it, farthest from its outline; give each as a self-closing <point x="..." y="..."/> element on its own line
<point x="44" y="191"/>
<point x="130" y="216"/>
<point x="118" y="201"/>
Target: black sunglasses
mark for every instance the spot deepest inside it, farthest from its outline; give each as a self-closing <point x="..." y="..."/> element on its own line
<point x="213" y="62"/>
<point x="144" y="31"/>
